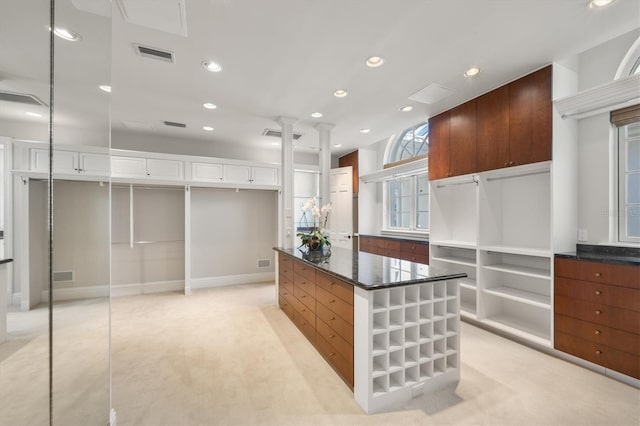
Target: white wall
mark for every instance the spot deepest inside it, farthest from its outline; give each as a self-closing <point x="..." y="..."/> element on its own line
<point x="231" y="230"/>
<point x="64" y="135"/>
<point x="596" y="154"/>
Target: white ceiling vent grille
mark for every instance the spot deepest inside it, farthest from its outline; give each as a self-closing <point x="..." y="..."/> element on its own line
<point x="153" y="53"/>
<point x="278" y="134"/>
<point x="431" y="94"/>
<point x="21" y="98"/>
<point x="174" y="124"/>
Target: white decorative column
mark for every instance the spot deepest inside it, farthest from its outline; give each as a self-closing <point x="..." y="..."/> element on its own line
<point x="286" y="229"/>
<point x="324" y="129"/>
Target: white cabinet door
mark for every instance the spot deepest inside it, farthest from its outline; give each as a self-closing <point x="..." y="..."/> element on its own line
<point x="64" y="162"/>
<point x="128" y="167"/>
<point x="234" y="173"/>
<point x="206" y="172"/>
<point x="95" y="164"/>
<point x="265" y="175"/>
<point x="341" y="196"/>
<point x="39" y="161"/>
<point x="164" y="169"/>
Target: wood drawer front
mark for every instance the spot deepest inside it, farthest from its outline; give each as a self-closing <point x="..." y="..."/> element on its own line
<point x="285" y="283"/>
<point x="414" y="248"/>
<point x="371" y="249"/>
<point x="338" y="343"/>
<point x="306" y="313"/>
<point x="620" y="275"/>
<point x="305" y="271"/>
<point x="343" y="366"/>
<point x="620" y="319"/>
<point x="305" y="298"/>
<point x="286" y="307"/>
<point x="616" y="339"/>
<point x="290" y="299"/>
<point x="335" y="286"/>
<point x="416" y="258"/>
<point x="388" y="252"/>
<point x="606" y="294"/>
<point x="285" y="266"/>
<point x="335" y="304"/>
<point x="383" y="243"/>
<point x="334" y="321"/>
<point x="307" y="328"/>
<point x="304" y="283"/>
<point x="599" y="354"/>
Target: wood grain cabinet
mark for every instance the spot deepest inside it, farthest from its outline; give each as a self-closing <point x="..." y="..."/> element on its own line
<point x="411" y="250"/>
<point x="597" y="313"/>
<point x="493" y="130"/>
<point x="321" y="306"/>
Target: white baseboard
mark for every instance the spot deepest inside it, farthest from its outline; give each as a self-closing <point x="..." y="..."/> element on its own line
<point x="16" y="298"/>
<point x="74" y="293"/>
<point x="210" y="282"/>
<point x="135" y="289"/>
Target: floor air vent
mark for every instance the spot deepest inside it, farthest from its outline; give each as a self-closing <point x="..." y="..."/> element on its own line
<point x="153" y="53"/>
<point x="62" y="276"/>
<point x="278" y="134"/>
<point x="21" y="98"/>
<point x="264" y="263"/>
<point x="174" y="124"/>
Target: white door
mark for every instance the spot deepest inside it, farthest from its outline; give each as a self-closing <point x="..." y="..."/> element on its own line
<point x="341" y="197"/>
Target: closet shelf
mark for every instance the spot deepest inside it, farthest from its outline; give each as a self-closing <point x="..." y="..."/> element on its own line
<point x="519" y="327"/>
<point x="529" y="298"/>
<point x="468" y="283"/>
<point x="526" y="271"/>
<point x="524" y="251"/>
<point x="456" y="260"/>
<point x="454" y="244"/>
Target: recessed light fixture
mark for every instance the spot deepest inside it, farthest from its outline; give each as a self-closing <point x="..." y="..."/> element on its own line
<point x="340" y="93"/>
<point x="374" y="62"/>
<point x="473" y="71"/>
<point x="105" y="88"/>
<point x="316" y="114"/>
<point x="595" y="4"/>
<point x="365" y="130"/>
<point x="209" y="105"/>
<point x="207" y="128"/>
<point x="275" y="143"/>
<point x="338" y="145"/>
<point x="33" y="114"/>
<point x="211" y="66"/>
<point x="66" y="34"/>
<point x="406" y="108"/>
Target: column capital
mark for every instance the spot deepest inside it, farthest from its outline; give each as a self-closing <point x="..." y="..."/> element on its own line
<point x="324" y="126"/>
<point x="286" y="120"/>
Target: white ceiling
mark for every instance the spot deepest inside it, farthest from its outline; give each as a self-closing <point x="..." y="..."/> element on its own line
<point x="286" y="57"/>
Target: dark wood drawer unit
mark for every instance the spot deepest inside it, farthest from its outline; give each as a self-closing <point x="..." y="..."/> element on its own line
<point x="411" y="250"/>
<point x="597" y="313"/>
<point x="285" y="267"/>
<point x="321" y="306"/>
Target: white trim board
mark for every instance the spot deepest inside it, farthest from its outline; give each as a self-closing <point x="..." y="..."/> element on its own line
<point x="211" y="282"/>
<point x="135" y="289"/>
<point x="74" y="293"/>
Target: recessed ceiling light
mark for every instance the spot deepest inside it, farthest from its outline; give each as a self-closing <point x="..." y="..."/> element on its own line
<point x="66" y="34"/>
<point x="406" y="108"/>
<point x="595" y="4"/>
<point x="316" y="114"/>
<point x="211" y="66"/>
<point x="338" y="145"/>
<point x="209" y="105"/>
<point x="275" y="143"/>
<point x="472" y="72"/>
<point x="105" y="88"/>
<point x="374" y="61"/>
<point x="207" y="128"/>
<point x="33" y="114"/>
<point x="365" y="130"/>
<point x="340" y="93"/>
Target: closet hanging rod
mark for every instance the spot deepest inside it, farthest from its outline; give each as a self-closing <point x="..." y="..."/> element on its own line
<point x="520" y="175"/>
<point x="473" y="180"/>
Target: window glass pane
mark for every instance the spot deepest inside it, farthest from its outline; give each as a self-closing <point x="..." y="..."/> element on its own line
<point x="633" y="188"/>
<point x="633" y="222"/>
<point x="422" y="221"/>
<point x="404" y="220"/>
<point x="406" y="204"/>
<point x="633" y="155"/>
<point x="406" y="186"/>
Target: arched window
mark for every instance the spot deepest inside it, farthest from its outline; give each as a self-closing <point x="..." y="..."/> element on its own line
<point x="412" y="142"/>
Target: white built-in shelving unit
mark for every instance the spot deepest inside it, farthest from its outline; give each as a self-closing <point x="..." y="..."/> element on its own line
<point x="412" y="343"/>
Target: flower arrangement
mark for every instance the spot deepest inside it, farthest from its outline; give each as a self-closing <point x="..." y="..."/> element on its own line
<point x="314" y="239"/>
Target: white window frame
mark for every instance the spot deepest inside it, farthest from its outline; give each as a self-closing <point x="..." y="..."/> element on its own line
<point x="622" y="193"/>
<point x="413" y="213"/>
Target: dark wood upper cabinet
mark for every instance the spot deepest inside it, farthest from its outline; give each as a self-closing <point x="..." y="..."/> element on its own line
<point x="351" y="159"/>
<point x="462" y="139"/>
<point x="493" y="129"/>
<point x="530" y="118"/>
<point x="439" y="146"/>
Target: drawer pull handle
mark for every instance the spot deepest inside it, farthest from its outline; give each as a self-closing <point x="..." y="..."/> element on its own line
<point x="331" y="336"/>
<point x="332" y="301"/>
<point x="332" y="318"/>
<point x="598" y="274"/>
<point x="332" y="354"/>
<point x="304" y="310"/>
<point x="598" y="292"/>
<point x="599" y="352"/>
<point x="598" y="311"/>
<point x="302" y="297"/>
<point x="597" y="332"/>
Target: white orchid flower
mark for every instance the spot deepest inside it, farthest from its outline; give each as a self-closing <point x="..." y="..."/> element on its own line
<point x="326" y="209"/>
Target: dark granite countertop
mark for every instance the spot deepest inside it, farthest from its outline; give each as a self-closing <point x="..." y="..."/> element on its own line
<point x="5" y="261"/>
<point x="605" y="254"/>
<point x="371" y="271"/>
<point x="419" y="240"/>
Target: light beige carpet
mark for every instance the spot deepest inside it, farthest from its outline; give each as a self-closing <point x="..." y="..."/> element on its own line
<point x="228" y="356"/>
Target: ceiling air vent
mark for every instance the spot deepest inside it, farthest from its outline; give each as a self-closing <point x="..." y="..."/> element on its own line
<point x="22" y="98"/>
<point x="174" y="124"/>
<point x="153" y="53"/>
<point x="278" y="134"/>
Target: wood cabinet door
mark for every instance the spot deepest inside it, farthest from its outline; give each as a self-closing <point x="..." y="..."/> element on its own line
<point x="493" y="129"/>
<point x="462" y="139"/>
<point x="530" y="119"/>
<point x="439" y="146"/>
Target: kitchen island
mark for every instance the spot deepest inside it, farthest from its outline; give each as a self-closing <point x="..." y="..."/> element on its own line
<point x="388" y="327"/>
